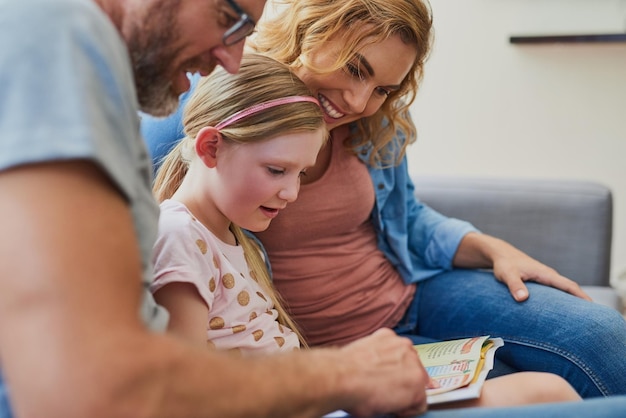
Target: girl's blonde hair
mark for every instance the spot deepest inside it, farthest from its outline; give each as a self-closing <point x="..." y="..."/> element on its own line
<point x="221" y="95"/>
<point x="302" y="26"/>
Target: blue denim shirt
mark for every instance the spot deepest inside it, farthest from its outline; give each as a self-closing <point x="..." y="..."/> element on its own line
<point x="419" y="241"/>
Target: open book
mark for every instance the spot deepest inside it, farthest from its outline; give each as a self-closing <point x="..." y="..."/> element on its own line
<point x="460" y="367"/>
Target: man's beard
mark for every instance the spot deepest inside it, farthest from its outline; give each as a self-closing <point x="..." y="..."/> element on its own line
<point x="152" y="57"/>
<point x="154" y="88"/>
<point x="151" y="67"/>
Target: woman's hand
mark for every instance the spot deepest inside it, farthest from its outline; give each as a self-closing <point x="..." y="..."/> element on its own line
<point x="511" y="266"/>
<point x="514" y="267"/>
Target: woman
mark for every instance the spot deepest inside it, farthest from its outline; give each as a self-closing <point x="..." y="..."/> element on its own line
<point x="368" y="254"/>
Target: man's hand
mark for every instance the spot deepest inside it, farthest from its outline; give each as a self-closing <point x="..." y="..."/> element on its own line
<point x="387" y="374"/>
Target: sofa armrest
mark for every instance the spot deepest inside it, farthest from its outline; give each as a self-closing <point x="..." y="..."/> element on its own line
<point x="566" y="224"/>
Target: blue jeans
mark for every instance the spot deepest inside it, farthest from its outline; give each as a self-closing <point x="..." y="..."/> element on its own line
<point x="552" y="331"/>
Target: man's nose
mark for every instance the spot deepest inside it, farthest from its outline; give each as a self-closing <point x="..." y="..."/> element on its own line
<point x="230" y="56"/>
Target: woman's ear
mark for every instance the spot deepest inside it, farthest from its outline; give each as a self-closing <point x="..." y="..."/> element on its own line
<point x="208" y="142"/>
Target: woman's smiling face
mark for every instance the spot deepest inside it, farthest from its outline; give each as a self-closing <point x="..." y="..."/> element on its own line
<point x="360" y="88"/>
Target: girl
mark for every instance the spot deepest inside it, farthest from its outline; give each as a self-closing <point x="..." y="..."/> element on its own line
<point x="249" y="139"/>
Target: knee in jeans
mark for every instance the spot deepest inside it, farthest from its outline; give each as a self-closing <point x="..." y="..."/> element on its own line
<point x="605" y="322"/>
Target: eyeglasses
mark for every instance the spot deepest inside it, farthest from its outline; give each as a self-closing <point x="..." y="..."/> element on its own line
<point x="240" y="30"/>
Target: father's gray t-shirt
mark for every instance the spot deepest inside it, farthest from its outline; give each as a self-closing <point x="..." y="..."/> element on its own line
<point x="67" y="92"/>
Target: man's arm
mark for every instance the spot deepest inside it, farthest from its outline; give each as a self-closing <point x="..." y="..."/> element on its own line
<point x="72" y="343"/>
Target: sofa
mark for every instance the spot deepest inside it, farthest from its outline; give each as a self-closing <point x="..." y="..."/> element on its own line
<point x="566" y="224"/>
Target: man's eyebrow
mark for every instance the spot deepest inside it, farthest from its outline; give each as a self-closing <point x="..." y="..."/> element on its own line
<point x="365" y="63"/>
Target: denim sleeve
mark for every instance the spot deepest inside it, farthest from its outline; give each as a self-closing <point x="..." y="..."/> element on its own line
<point x="419" y="241"/>
<point x="5" y="406"/>
<point x="433" y="235"/>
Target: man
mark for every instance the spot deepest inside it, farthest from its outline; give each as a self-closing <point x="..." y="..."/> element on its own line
<point x="80" y="335"/>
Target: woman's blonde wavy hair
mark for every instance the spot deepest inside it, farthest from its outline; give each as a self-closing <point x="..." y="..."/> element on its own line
<point x="302" y="26"/>
<point x="219" y="96"/>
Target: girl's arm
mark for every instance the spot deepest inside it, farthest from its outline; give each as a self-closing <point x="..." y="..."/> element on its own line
<point x="188" y="311"/>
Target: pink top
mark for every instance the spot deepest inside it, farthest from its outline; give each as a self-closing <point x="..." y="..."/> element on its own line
<point x="336" y="282"/>
<point x="241" y="315"/>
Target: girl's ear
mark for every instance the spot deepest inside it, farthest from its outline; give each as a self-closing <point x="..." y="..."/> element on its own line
<point x="208" y="141"/>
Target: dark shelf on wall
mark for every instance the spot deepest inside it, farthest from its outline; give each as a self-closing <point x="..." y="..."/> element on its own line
<point x="551" y="39"/>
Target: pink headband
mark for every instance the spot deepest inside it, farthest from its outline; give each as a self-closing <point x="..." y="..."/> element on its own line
<point x="262" y="106"/>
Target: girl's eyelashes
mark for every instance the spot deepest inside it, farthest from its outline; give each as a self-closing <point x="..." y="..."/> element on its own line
<point x="280" y="171"/>
<point x="275" y="171"/>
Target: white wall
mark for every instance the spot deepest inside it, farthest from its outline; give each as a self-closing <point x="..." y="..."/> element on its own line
<point x="490" y="108"/>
